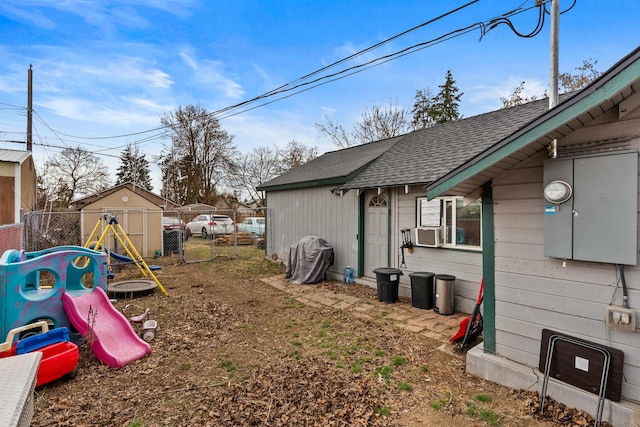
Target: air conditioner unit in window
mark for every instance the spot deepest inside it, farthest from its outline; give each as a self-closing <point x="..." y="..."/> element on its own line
<point x="429" y="236"/>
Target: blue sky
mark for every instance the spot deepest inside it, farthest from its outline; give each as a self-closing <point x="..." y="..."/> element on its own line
<point x="108" y="68"/>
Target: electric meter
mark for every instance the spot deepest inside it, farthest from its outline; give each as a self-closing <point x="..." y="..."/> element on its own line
<point x="557" y="192"/>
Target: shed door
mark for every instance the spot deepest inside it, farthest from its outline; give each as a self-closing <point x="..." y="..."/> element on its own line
<point x="133" y="222"/>
<point x="375" y="233"/>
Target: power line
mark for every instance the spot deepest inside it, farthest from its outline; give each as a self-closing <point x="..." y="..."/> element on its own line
<point x="285" y="86"/>
<point x="299" y="85"/>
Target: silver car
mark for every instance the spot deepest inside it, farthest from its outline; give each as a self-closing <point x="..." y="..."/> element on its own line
<point x="208" y="226"/>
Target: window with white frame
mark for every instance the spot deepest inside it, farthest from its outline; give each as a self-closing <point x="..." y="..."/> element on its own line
<point x="461" y="221"/>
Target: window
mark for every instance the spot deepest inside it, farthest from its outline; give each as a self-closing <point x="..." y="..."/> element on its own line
<point x="461" y="222"/>
<point x="428" y="212"/>
<point x="378" y="201"/>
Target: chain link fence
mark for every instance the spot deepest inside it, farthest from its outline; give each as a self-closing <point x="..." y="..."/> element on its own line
<point x="210" y="235"/>
<point x="186" y="236"/>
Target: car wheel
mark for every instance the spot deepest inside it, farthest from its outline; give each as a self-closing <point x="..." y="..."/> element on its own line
<point x="204" y="233"/>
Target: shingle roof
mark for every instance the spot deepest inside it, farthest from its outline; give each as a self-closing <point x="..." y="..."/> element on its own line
<point x="609" y="91"/>
<point x="417" y="158"/>
<point x="335" y="166"/>
<point x="422" y="156"/>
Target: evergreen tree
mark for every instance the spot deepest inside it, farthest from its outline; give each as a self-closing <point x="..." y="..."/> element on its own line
<point x="444" y="106"/>
<point x="421" y="112"/>
<point x="134" y="168"/>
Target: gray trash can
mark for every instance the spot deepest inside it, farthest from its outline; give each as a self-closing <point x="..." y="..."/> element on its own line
<point x="443" y="294"/>
<point x="422" y="289"/>
<point x="387" y="280"/>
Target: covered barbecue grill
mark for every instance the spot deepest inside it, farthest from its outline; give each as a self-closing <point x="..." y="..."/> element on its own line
<point x="309" y="260"/>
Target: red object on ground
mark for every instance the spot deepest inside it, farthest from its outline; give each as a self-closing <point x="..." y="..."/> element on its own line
<point x="58" y="360"/>
<point x="9" y="353"/>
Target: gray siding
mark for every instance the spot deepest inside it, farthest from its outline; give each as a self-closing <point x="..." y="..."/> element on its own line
<point x="294" y="214"/>
<point x="534" y="292"/>
<point x="466" y="266"/>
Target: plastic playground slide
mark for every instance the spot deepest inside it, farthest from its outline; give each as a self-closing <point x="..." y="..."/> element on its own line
<point x="115" y="343"/>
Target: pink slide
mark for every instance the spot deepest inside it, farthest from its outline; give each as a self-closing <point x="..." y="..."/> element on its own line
<point x="115" y="343"/>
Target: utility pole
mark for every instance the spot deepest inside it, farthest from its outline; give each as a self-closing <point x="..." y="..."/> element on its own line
<point x="29" y="109"/>
<point x="553" y="77"/>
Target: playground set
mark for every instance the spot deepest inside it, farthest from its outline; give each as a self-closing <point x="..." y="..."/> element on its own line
<point x="54" y="299"/>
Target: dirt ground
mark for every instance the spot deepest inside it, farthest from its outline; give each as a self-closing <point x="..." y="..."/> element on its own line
<point x="231" y="350"/>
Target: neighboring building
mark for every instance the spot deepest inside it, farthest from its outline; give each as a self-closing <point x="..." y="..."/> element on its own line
<point x="477" y="184"/>
<point x="138" y="211"/>
<point x="17" y="185"/>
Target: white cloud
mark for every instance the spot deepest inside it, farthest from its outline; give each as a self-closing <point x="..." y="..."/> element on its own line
<point x="96" y="13"/>
<point x="105" y="115"/>
<point x="128" y="71"/>
<point x="486" y="97"/>
<point x="30" y="14"/>
<point x="208" y="74"/>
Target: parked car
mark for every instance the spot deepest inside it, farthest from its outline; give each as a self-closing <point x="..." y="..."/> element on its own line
<point x="208" y="226"/>
<point x="254" y="225"/>
<point x="170" y="223"/>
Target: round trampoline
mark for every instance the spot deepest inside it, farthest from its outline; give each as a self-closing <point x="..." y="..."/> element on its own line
<point x="131" y="288"/>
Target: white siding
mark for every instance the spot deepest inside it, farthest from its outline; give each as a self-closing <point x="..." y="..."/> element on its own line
<point x="534" y="292"/>
<point x="294" y="214"/>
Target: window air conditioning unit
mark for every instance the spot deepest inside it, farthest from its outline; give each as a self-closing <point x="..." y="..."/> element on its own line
<point x="431" y="237"/>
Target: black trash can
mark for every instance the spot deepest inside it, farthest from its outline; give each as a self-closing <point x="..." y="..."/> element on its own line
<point x="443" y="294"/>
<point x="387" y="280"/>
<point x="422" y="289"/>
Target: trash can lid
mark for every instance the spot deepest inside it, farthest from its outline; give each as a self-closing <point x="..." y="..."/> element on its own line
<point x="445" y="277"/>
<point x="422" y="274"/>
<point x="387" y="270"/>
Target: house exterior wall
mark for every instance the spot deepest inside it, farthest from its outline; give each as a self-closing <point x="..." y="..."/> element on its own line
<point x="466" y="266"/>
<point x="139" y="218"/>
<point x="294" y="214"/>
<point x="533" y="292"/>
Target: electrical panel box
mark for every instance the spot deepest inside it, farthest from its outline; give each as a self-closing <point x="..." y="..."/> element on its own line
<point x="591" y="208"/>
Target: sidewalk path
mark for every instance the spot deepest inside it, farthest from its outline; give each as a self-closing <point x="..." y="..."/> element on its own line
<point x="420" y="321"/>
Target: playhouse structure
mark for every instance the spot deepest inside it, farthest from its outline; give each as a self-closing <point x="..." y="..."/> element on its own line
<point x="32" y="283"/>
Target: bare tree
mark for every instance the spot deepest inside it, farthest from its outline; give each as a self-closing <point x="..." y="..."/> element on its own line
<point x="293" y="155"/>
<point x="586" y="74"/>
<point x="75" y="172"/>
<point x="376" y="123"/>
<point x="263" y="164"/>
<point x="516" y="98"/>
<point x="336" y="132"/>
<point x="254" y="168"/>
<point x="198" y="157"/>
<point x="568" y="82"/>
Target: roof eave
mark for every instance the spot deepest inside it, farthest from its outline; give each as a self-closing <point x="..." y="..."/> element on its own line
<point x="622" y="76"/>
